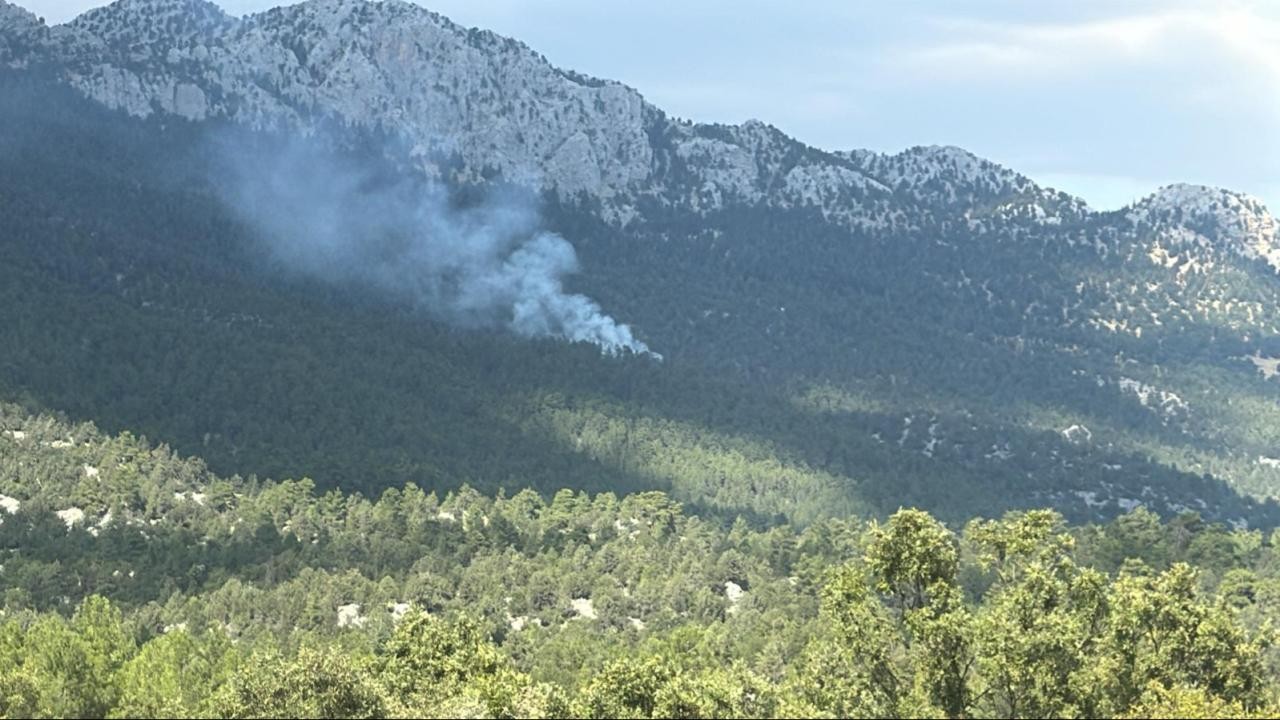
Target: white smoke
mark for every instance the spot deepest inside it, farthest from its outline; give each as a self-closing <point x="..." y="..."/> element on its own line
<point x="487" y="265"/>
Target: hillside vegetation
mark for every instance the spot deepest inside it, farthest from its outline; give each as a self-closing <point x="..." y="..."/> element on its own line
<point x="137" y="583"/>
<point x="136" y="299"/>
<point x="357" y="364"/>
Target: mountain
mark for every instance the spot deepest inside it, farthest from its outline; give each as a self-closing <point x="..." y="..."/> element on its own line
<point x="489" y="101"/>
<point x="357" y="364"/>
<point x="844" y="332"/>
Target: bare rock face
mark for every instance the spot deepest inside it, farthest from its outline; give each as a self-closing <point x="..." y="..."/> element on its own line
<point x="489" y="100"/>
<point x="349" y="615"/>
<point x="71" y="516"/>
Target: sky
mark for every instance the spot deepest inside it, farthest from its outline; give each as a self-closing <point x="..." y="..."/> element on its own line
<point x="1106" y="99"/>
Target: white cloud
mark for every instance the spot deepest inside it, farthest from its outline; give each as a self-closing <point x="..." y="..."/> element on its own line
<point x="1025" y="49"/>
<point x="1106" y="100"/>
<point x="1248" y="41"/>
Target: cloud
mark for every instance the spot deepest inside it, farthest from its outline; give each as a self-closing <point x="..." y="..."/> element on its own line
<point x="1235" y="43"/>
<point x="1157" y="94"/>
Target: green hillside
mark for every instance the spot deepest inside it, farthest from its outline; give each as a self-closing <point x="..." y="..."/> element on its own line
<point x="355" y="363"/>
<point x="134" y="298"/>
<point x="135" y="582"/>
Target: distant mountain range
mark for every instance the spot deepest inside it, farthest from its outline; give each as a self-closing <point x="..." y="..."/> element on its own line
<point x="924" y="327"/>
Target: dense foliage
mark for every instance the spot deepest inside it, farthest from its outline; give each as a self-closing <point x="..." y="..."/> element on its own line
<point x="136" y="583"/>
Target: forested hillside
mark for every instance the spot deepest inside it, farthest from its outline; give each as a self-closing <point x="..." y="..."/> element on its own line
<point x="136" y="298"/>
<point x="137" y="583"/>
<point x="355" y="363"/>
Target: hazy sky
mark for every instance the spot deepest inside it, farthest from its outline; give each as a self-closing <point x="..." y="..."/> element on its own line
<point x="1103" y="98"/>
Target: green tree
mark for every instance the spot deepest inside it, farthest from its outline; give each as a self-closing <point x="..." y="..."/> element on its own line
<point x="19" y="693"/>
<point x="433" y="667"/>
<point x="73" y="665"/>
<point x="629" y="688"/>
<point x="1182" y="701"/>
<point x="1159" y="631"/>
<point x="317" y="683"/>
<point x="175" y="675"/>
<point x="850" y="669"/>
<point x="910" y="555"/>
<point x="1038" y="625"/>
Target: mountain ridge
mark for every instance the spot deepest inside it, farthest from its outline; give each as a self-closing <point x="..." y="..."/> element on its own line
<point x="358" y="61"/>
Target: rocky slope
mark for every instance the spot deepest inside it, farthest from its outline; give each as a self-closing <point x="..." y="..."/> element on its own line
<point x="495" y="104"/>
<point x="489" y="101"/>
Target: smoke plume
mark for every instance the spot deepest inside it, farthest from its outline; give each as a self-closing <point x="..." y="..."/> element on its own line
<point x="484" y="266"/>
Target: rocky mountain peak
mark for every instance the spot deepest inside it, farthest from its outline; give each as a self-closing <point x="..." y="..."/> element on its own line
<point x="957" y="181"/>
<point x="1211" y="217"/>
<point x="20" y="33"/>
<point x="486" y="104"/>
<point x="14" y="18"/>
<point x="491" y="102"/>
<point x="142" y="27"/>
<point x="954" y="173"/>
